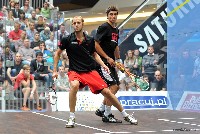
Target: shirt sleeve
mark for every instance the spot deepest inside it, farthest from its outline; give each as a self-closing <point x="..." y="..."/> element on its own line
<point x="18" y="82"/>
<point x="101" y="32"/>
<point x="64" y="42"/>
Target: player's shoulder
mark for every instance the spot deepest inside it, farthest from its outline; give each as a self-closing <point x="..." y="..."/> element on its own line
<point x="102" y="27"/>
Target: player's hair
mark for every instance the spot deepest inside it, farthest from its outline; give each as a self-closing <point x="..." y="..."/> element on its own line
<point x="78" y="17"/>
<point x="111" y="8"/>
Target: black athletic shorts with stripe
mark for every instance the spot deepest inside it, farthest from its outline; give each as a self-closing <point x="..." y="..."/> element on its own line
<point x="110" y="79"/>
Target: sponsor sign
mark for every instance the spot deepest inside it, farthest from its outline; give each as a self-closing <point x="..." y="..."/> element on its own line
<point x="190" y="101"/>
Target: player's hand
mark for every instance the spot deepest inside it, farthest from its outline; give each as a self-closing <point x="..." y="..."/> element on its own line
<point x="106" y="69"/>
<point x="120" y="66"/>
<point x="55" y="75"/>
<point x="111" y="61"/>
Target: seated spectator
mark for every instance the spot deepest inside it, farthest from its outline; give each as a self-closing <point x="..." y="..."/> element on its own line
<point x="15" y="69"/>
<point x="11" y="4"/>
<point x="31" y="31"/>
<point x="22" y="20"/>
<point x="46" y="53"/>
<point x="62" y="82"/>
<point x="150" y="63"/>
<point x="15" y="35"/>
<point x="16" y="11"/>
<point x="137" y="66"/>
<point x="27" y="7"/>
<point x="61" y="33"/>
<point x="35" y="44"/>
<point x="51" y="44"/>
<point x="38" y="12"/>
<point x="33" y="17"/>
<point x="45" y="11"/>
<point x="40" y="71"/>
<point x="26" y="52"/>
<point x="45" y="34"/>
<point x="39" y="25"/>
<point x="142" y="84"/>
<point x="127" y="82"/>
<point x="7" y="54"/>
<point x="159" y="82"/>
<point x="26" y="80"/>
<point x="19" y="43"/>
<point x="129" y="61"/>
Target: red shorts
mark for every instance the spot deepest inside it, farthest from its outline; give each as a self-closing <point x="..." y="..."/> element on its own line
<point x="92" y="79"/>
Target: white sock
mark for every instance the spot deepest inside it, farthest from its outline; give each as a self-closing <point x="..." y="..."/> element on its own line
<point x="72" y="115"/>
<point x="107" y="110"/>
<point x="102" y="107"/>
<point x="124" y="113"/>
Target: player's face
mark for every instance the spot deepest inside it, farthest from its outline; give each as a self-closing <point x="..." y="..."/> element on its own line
<point x="77" y="24"/>
<point x="112" y="16"/>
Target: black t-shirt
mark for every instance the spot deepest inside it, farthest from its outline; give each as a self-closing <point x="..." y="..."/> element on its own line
<point x="17" y="67"/>
<point x="108" y="38"/>
<point x="80" y="55"/>
<point x="39" y="27"/>
<point x="35" y="44"/>
<point x="159" y="84"/>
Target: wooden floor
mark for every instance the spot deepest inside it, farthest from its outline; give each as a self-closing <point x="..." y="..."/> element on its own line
<point x="150" y="121"/>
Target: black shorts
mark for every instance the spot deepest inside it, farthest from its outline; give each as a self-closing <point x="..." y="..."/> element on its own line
<point x="110" y="79"/>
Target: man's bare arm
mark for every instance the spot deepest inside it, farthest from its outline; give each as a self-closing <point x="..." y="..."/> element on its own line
<point x="56" y="59"/>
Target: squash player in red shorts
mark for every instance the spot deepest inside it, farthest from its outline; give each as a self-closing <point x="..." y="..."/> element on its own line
<point x="80" y="49"/>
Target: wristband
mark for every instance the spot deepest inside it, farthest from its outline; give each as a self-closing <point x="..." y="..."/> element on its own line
<point x="32" y="93"/>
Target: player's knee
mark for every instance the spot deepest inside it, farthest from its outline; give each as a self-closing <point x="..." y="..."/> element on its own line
<point x="106" y="92"/>
<point x="74" y="85"/>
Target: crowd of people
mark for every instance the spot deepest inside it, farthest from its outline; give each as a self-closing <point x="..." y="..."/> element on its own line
<point x="33" y="38"/>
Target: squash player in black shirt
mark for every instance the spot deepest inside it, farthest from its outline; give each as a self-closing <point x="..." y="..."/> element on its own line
<point x="106" y="44"/>
<point x="80" y="49"/>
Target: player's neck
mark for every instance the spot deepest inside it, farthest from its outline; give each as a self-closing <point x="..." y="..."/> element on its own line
<point x="112" y="24"/>
<point x="79" y="35"/>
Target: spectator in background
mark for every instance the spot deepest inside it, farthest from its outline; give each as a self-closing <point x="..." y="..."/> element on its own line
<point x="186" y="65"/>
<point x="7" y="54"/>
<point x="16" y="11"/>
<point x="22" y="20"/>
<point x="39" y="25"/>
<point x="45" y="11"/>
<point x="26" y="52"/>
<point x="51" y="44"/>
<point x="62" y="82"/>
<point x="129" y="61"/>
<point x="31" y="31"/>
<point x="19" y="43"/>
<point x="159" y="82"/>
<point x="38" y="12"/>
<point x="26" y="80"/>
<point x="27" y="7"/>
<point x="15" y="35"/>
<point x="46" y="53"/>
<point x="137" y="66"/>
<point x="15" y="69"/>
<point x="45" y="34"/>
<point x="61" y="33"/>
<point x="33" y="17"/>
<point x="35" y="44"/>
<point x="150" y="63"/>
<point x="11" y="4"/>
<point x="40" y="71"/>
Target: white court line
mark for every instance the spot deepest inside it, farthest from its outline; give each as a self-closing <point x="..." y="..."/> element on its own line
<point x="146" y="131"/>
<point x="109" y="132"/>
<point x="167" y="130"/>
<point x="187" y="118"/>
